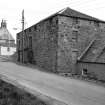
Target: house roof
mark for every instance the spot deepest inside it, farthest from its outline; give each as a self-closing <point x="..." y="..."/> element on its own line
<point x="94" y="52"/>
<point x="5" y="34"/>
<point x="73" y="13"/>
<point x="86" y="50"/>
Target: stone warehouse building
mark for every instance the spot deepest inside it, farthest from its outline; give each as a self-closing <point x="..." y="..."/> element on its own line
<point x="65" y="42"/>
<point x="7" y="42"/>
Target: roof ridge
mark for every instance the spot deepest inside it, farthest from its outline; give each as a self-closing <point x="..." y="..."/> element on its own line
<point x="61" y="11"/>
<point x="74" y="13"/>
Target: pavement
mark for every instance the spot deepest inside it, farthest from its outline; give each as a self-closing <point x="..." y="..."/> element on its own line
<point x="63" y="91"/>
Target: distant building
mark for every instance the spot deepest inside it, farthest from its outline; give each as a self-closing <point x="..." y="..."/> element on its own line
<point x="66" y="42"/>
<point x="7" y="42"/>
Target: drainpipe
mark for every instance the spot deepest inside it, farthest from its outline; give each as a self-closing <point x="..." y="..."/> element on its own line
<point x="0" y="49"/>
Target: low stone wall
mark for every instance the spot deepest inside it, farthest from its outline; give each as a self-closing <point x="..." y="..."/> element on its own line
<point x="11" y="95"/>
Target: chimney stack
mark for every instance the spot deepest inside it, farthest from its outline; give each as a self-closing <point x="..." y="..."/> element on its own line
<point x="3" y="24"/>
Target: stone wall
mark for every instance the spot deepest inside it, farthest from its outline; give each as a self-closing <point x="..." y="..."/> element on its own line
<point x="64" y="44"/>
<point x="58" y="41"/>
<point x="74" y="34"/>
<point x="44" y="44"/>
<point x="11" y="95"/>
<point x="42" y="49"/>
<point x="97" y="70"/>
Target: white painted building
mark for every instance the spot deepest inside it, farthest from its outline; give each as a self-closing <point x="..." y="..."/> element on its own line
<point x="7" y="51"/>
<point x="7" y="42"/>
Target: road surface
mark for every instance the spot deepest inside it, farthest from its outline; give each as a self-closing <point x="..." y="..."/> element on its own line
<point x="69" y="91"/>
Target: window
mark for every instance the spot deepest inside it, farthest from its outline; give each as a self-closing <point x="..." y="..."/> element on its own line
<point x="18" y="43"/>
<point x="30" y="42"/>
<point x="25" y="31"/>
<point x="74" y="35"/>
<point x="51" y="20"/>
<point x="90" y="22"/>
<point x="84" y="71"/>
<point x="62" y="35"/>
<point x="96" y="24"/>
<point x="75" y="21"/>
<point x="8" y="49"/>
<point x="34" y="27"/>
<point x="29" y="29"/>
<point x="57" y="21"/>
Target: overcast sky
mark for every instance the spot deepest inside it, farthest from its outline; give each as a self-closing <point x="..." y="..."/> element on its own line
<point x="35" y="10"/>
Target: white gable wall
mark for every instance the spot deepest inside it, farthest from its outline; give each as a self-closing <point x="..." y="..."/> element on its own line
<point x="4" y="50"/>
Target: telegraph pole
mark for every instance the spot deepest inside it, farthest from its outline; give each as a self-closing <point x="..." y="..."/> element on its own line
<point x="23" y="36"/>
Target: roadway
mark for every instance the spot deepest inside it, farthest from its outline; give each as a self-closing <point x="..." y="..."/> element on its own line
<point x="68" y="90"/>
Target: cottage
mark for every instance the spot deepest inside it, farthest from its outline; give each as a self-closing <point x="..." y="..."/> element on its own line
<point x="7" y="42"/>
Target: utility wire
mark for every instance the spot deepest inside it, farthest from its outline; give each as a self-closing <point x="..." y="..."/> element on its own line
<point x="81" y="3"/>
<point x="90" y="5"/>
<point x="92" y="8"/>
<point x="96" y="9"/>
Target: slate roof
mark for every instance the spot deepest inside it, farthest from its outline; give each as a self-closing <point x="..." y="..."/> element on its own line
<point x="73" y="13"/>
<point x="70" y="13"/>
<point x="86" y="50"/>
<point x="95" y="52"/>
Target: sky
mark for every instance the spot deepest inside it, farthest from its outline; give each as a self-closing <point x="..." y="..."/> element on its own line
<point x="36" y="10"/>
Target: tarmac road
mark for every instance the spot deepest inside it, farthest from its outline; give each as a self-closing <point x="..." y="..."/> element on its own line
<point x="67" y="90"/>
